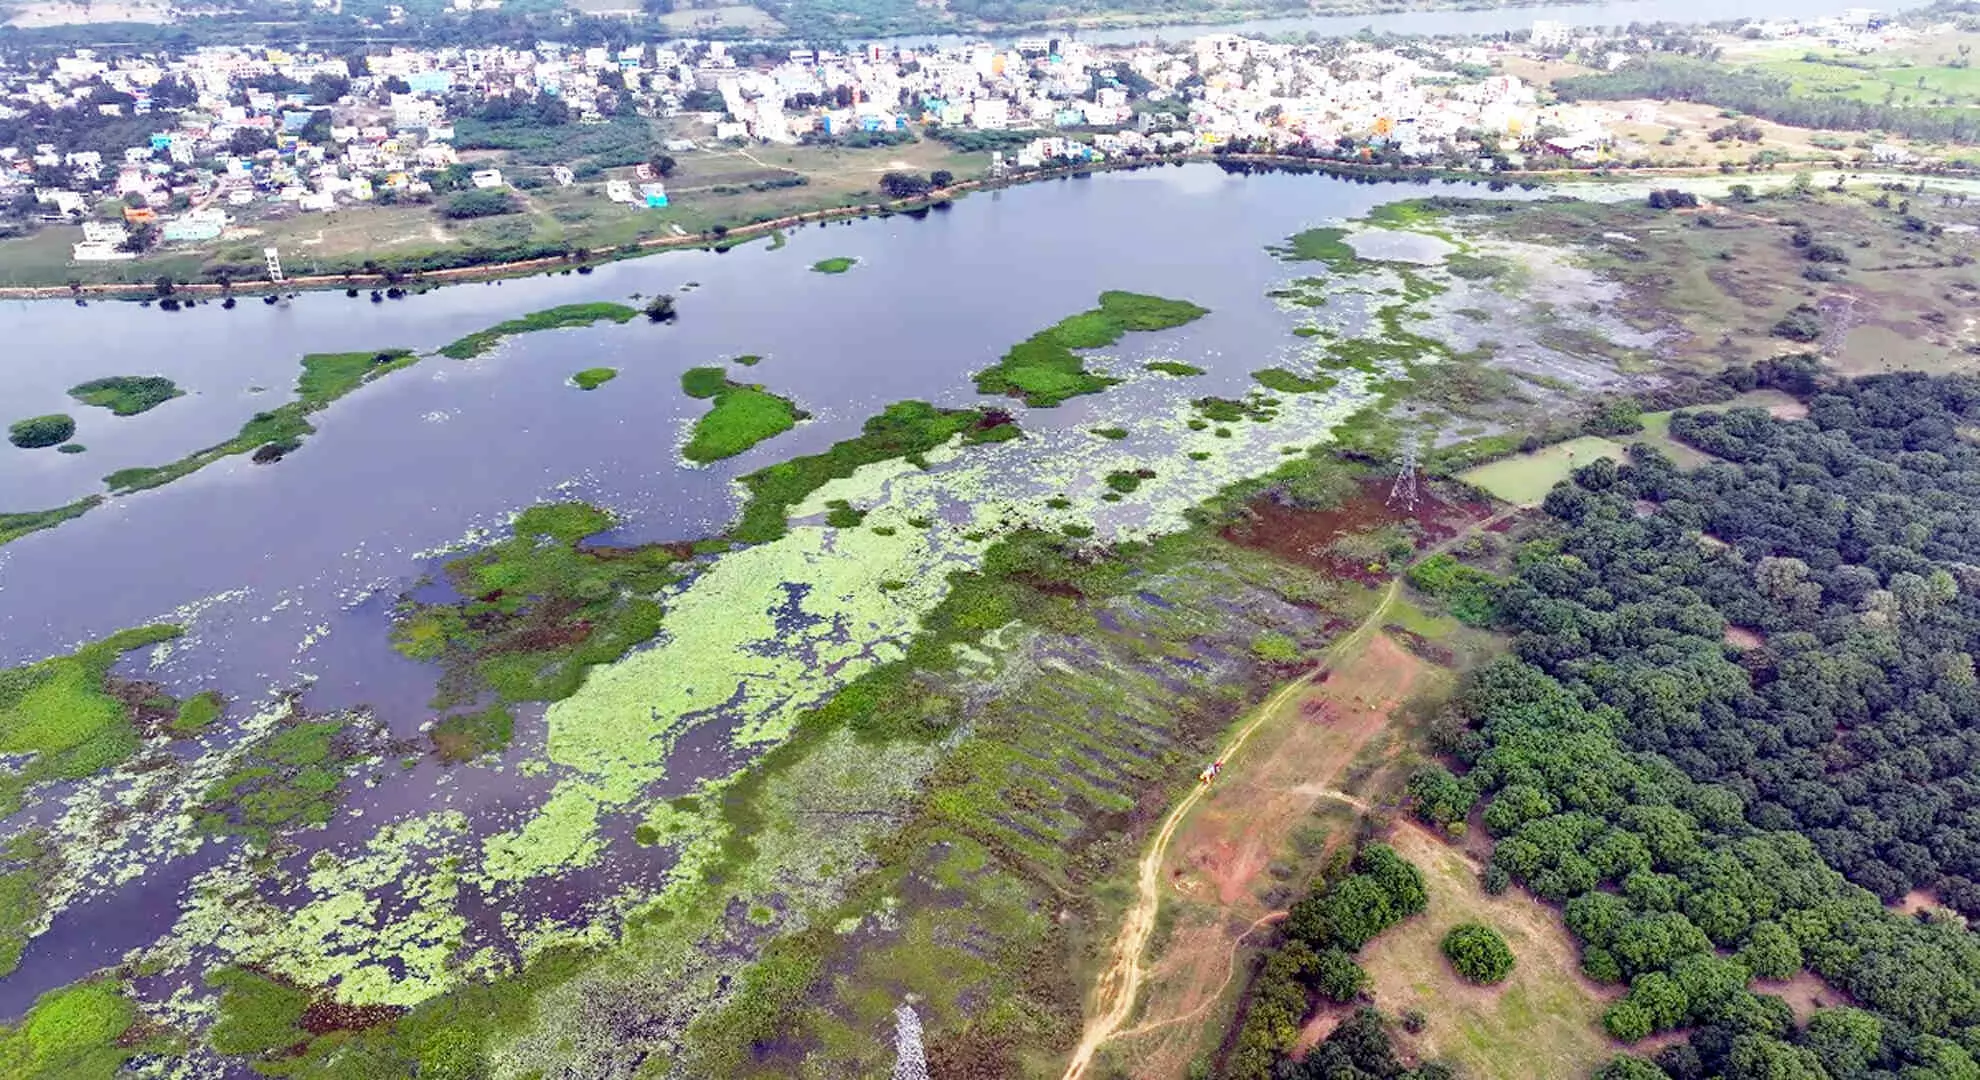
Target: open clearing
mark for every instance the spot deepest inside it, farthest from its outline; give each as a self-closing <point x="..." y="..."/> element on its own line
<point x="1228" y="866"/>
<point x="1524" y="480"/>
<point x="1544" y="1021"/>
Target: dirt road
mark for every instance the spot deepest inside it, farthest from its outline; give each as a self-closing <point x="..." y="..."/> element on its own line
<point x="1122" y="980"/>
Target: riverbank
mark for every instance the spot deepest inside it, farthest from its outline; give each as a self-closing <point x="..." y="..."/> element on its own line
<point x="939" y="198"/>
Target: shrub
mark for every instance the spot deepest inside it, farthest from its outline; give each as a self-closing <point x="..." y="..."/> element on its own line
<point x="1478" y="953"/>
<point x="36" y="432"/>
<point x="479" y="204"/>
<point x="1801" y="323"/>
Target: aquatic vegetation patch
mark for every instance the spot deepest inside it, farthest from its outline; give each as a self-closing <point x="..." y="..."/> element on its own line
<point x="26" y="866"/>
<point x="127" y="395"/>
<point x="13" y="526"/>
<point x="66" y="711"/>
<point x="1173" y="367"/>
<point x="76" y="1033"/>
<point x="556" y="318"/>
<point x="904" y="428"/>
<point x="1323" y="245"/>
<point x="705" y="381"/>
<point x="741" y="416"/>
<point x="38" y="432"/>
<point x="465" y="736"/>
<point x="1045" y="371"/>
<point x="71" y="448"/>
<point x="1115" y="433"/>
<point x="258" y="1015"/>
<point x="272" y="434"/>
<point x="1287" y="382"/>
<point x="537" y="611"/>
<point x="196" y="712"/>
<point x="835" y="265"/>
<point x="291" y="780"/>
<point x="748" y="360"/>
<point x="593" y="378"/>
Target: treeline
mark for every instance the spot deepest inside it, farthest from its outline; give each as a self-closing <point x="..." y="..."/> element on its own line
<point x="1346" y="908"/>
<point x="1679" y="78"/>
<point x="1689" y="795"/>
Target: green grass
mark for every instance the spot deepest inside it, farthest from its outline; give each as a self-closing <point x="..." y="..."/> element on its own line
<point x="258" y="1015"/>
<point x="16" y="525"/>
<point x="127" y="395"/>
<point x="1526" y="479"/>
<point x="62" y="712"/>
<point x="905" y="428"/>
<point x="27" y="864"/>
<point x="329" y="376"/>
<point x="704" y="382"/>
<point x="196" y="712"/>
<point x="1323" y="245"/>
<point x="1286" y="382"/>
<point x="289" y="781"/>
<point x="1045" y="371"/>
<point x="556" y="318"/>
<point x="837" y="265"/>
<point x="1173" y="367"/>
<point x="593" y="378"/>
<point x="269" y="435"/>
<point x="465" y="736"/>
<point x="742" y="415"/>
<point x="74" y="1033"/>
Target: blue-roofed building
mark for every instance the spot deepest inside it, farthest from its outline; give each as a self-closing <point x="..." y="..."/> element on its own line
<point x="430" y="82"/>
<point x="294" y="122"/>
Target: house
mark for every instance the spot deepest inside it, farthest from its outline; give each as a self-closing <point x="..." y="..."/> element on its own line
<point x="486" y="178"/>
<point x="655" y="195"/>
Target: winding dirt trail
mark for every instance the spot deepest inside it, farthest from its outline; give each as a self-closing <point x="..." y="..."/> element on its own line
<point x="1121" y="981"/>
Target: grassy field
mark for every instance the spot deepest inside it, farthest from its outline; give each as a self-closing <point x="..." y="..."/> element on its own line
<point x="1526" y="479"/>
<point x="1544" y="1021"/>
<point x="710" y="188"/>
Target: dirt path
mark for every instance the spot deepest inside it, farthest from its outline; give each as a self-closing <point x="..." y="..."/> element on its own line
<point x="1119" y="984"/>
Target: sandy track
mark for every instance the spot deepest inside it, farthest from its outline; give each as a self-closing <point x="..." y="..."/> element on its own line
<point x="1121" y="981"/>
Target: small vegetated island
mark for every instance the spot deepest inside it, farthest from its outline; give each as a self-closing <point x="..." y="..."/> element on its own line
<point x="37" y="432"/>
<point x="836" y="265"/>
<point x="593" y="378"/>
<point x="127" y="395"/>
<point x="272" y="434"/>
<point x="740" y="415"/>
<point x="556" y="318"/>
<point x="1045" y="371"/>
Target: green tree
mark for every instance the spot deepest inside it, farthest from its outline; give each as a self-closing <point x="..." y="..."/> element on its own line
<point x="1478" y="952"/>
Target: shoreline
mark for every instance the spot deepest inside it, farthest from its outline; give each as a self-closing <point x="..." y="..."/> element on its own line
<point x="740" y="234"/>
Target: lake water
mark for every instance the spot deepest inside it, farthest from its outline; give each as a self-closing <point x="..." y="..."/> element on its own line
<point x="286" y="573"/>
<point x="1479" y="21"/>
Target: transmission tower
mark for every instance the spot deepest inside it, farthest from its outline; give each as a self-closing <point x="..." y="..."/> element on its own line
<point x="910" y="1063"/>
<point x="1403" y="492"/>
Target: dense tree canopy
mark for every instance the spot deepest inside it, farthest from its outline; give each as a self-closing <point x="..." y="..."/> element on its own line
<point x="1708" y="807"/>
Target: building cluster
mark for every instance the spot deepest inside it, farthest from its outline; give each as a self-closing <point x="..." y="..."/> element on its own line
<point x="144" y="149"/>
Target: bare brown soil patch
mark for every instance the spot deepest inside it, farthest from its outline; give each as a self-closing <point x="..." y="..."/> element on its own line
<point x="1739" y="637"/>
<point x="1804" y="993"/>
<point x="1315" y="538"/>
